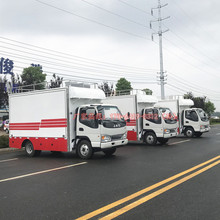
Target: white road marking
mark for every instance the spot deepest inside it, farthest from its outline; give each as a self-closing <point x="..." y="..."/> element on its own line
<point x="179" y="142"/>
<point x="40" y="172"/>
<point x="1" y="161"/>
<point x="218" y="134"/>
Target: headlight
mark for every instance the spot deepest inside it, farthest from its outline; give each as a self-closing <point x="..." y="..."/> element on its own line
<point x="166" y="131"/>
<point x="124" y="136"/>
<point x="106" y="138"/>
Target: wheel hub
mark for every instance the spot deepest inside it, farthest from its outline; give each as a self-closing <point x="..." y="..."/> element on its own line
<point x="150" y="139"/>
<point x="29" y="148"/>
<point x="84" y="150"/>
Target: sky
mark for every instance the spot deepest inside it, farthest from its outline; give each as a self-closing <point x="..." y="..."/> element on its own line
<point x="96" y="41"/>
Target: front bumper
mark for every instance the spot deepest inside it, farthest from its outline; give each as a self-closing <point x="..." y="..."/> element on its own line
<point x="174" y="134"/>
<point x="205" y="130"/>
<point x="115" y="143"/>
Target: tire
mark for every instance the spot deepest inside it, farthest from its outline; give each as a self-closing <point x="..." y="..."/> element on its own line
<point x="189" y="132"/>
<point x="163" y="140"/>
<point x="84" y="150"/>
<point x="198" y="134"/>
<point x="29" y="149"/>
<point x="109" y="152"/>
<point x="150" y="138"/>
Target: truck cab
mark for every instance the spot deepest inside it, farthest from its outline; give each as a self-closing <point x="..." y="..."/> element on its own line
<point x="159" y="124"/>
<point x="195" y="122"/>
<point x="99" y="128"/>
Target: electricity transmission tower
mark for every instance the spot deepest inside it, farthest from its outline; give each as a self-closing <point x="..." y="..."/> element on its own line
<point x="162" y="77"/>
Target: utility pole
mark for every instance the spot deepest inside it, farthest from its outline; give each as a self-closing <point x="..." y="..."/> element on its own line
<point x="162" y="77"/>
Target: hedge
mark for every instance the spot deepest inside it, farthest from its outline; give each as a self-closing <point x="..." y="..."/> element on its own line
<point x="214" y="121"/>
<point x="4" y="141"/>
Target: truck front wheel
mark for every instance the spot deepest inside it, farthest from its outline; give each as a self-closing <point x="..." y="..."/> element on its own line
<point x="109" y="152"/>
<point x="84" y="150"/>
<point x="29" y="149"/>
<point x="150" y="138"/>
<point x="189" y="132"/>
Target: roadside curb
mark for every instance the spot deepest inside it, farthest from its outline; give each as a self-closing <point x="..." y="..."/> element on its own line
<point x="5" y="150"/>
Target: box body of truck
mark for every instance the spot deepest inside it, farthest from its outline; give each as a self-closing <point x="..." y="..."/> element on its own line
<point x="51" y="119"/>
<point x="137" y="108"/>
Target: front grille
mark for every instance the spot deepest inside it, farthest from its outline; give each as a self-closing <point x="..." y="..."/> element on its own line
<point x="206" y="126"/>
<point x="116" y="137"/>
<point x="172" y="130"/>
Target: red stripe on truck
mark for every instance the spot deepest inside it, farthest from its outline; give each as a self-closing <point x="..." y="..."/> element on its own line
<point x="45" y="123"/>
<point x="48" y="144"/>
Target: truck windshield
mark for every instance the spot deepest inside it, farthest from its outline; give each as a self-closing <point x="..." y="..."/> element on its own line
<point x="168" y="116"/>
<point x="203" y="116"/>
<point x="110" y="113"/>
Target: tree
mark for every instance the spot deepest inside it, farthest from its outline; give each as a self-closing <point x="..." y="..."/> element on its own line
<point x="148" y="91"/>
<point x="56" y="81"/>
<point x="3" y="93"/>
<point x="209" y="108"/>
<point x="107" y="88"/>
<point x="189" y="95"/>
<point x="123" y="86"/>
<point x="200" y="102"/>
<point x="33" y="75"/>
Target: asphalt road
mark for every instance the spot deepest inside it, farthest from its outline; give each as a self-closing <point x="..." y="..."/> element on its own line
<point x="61" y="186"/>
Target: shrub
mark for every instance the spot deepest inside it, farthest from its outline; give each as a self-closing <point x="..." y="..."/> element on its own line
<point x="4" y="141"/>
<point x="214" y="121"/>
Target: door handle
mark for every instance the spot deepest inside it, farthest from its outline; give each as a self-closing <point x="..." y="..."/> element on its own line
<point x="147" y="124"/>
<point x="81" y="129"/>
<point x="187" y="121"/>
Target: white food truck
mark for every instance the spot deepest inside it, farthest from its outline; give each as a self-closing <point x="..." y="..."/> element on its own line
<point x="192" y="121"/>
<point x="64" y="119"/>
<point x="145" y="122"/>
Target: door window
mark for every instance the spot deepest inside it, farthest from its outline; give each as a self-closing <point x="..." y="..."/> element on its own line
<point x="87" y="116"/>
<point x="152" y="115"/>
<point x="191" y="115"/>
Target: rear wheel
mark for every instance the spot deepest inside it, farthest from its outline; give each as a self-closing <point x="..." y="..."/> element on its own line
<point x="29" y="149"/>
<point x="163" y="140"/>
<point x="84" y="150"/>
<point x="198" y="134"/>
<point x="189" y="132"/>
<point x="150" y="138"/>
<point x="109" y="152"/>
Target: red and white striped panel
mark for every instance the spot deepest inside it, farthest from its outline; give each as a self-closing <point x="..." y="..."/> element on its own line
<point x="45" y="123"/>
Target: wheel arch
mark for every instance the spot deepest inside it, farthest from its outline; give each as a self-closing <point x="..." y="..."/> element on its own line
<point x="26" y="141"/>
<point x="148" y="131"/>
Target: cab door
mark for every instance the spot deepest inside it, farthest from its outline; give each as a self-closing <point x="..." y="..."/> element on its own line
<point x="191" y="119"/>
<point x="152" y="121"/>
<point x="88" y="126"/>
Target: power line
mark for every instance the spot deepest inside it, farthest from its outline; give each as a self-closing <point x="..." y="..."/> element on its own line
<point x="87" y="67"/>
<point x="190" y="54"/>
<point x="132" y="6"/>
<point x="113" y="13"/>
<point x="191" y="84"/>
<point x="91" y="20"/>
<point x="71" y="56"/>
<point x="92" y="78"/>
